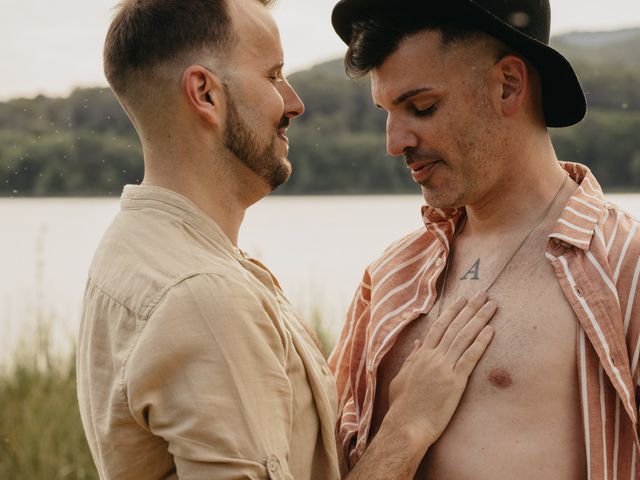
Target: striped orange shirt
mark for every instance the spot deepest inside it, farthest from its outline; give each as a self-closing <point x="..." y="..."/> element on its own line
<point x="595" y="251"/>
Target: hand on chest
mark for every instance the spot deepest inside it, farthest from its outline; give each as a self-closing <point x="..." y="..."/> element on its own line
<point x="535" y="328"/>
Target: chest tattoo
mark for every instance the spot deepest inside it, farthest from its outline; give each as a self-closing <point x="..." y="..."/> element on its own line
<point x="473" y="273"/>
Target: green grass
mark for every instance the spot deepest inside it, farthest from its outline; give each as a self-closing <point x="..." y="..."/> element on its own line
<point x="317" y="322"/>
<point x="41" y="436"/>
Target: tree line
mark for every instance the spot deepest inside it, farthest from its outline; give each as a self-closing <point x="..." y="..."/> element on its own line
<point x="84" y="144"/>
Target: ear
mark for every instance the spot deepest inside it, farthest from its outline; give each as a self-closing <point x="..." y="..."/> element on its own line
<point x="204" y="92"/>
<point x="514" y="81"/>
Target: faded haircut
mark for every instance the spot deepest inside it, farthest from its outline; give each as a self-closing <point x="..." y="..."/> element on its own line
<point x="146" y="33"/>
<point x="375" y="38"/>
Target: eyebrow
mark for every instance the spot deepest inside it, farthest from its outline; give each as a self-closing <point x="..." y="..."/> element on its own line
<point x="278" y="66"/>
<point x="411" y="93"/>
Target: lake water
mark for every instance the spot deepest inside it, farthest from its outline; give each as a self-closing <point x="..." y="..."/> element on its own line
<point x="318" y="247"/>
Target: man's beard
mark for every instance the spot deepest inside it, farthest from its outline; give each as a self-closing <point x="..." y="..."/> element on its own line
<point x="242" y="142"/>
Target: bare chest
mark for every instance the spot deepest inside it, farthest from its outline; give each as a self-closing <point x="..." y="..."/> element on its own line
<point x="532" y="353"/>
<point x="528" y="372"/>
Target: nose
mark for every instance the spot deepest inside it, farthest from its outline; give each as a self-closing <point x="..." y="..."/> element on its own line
<point x="293" y="106"/>
<point x="399" y="136"/>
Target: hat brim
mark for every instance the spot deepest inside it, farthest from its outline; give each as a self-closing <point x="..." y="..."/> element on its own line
<point x="563" y="99"/>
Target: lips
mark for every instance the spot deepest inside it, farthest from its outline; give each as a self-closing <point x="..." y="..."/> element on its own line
<point x="421" y="169"/>
<point x="283" y="126"/>
<point x="282" y="134"/>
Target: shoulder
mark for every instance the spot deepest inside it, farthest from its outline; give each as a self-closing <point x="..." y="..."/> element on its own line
<point x="207" y="312"/>
<point x="620" y="233"/>
<point x="214" y="296"/>
<point x="138" y="261"/>
<point x="616" y="246"/>
<point x="615" y="216"/>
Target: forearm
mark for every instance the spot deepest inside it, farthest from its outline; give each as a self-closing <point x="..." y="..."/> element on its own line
<point x="394" y="454"/>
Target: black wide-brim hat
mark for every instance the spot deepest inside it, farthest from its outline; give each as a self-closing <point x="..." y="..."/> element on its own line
<point x="523" y="25"/>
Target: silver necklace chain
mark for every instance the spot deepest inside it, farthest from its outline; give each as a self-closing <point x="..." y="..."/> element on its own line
<point x="515" y="252"/>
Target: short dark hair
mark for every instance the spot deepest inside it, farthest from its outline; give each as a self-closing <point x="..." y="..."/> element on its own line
<point x="145" y="33"/>
<point x="378" y="36"/>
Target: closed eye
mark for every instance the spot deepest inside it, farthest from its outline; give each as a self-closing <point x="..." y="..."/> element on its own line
<point x="425" y="112"/>
<point x="275" y="74"/>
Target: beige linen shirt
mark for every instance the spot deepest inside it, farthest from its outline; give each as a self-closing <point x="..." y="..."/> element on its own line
<point x="191" y="362"/>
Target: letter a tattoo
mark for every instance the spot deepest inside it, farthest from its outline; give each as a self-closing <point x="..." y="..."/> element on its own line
<point x="473" y="273"/>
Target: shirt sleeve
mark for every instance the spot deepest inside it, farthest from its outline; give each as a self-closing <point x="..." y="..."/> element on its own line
<point x="344" y="362"/>
<point x="208" y="375"/>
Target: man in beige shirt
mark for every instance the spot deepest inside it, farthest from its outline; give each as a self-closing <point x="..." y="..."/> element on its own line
<point x="191" y="362"/>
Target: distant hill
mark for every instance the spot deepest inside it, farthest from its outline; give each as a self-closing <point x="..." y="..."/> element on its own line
<point x="617" y="48"/>
<point x="329" y="69"/>
<point x="85" y="145"/>
<point x="597" y="39"/>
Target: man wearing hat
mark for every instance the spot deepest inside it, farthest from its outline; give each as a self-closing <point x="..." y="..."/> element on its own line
<point x="470" y="88"/>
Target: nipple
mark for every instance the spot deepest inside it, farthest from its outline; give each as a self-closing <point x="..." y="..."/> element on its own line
<point x="500" y="378"/>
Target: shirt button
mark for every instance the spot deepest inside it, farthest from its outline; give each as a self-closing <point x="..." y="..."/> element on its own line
<point x="406" y="315"/>
<point x="273" y="464"/>
<point x="326" y="370"/>
<point x="438" y="262"/>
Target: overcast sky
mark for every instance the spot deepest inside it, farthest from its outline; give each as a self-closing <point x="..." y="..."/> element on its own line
<point x="52" y="46"/>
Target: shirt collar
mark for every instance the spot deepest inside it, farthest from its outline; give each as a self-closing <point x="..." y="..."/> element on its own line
<point x="577" y="223"/>
<point x="145" y="196"/>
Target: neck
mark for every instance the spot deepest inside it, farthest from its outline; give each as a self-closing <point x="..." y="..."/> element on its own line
<point x="521" y="193"/>
<point x="216" y="184"/>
